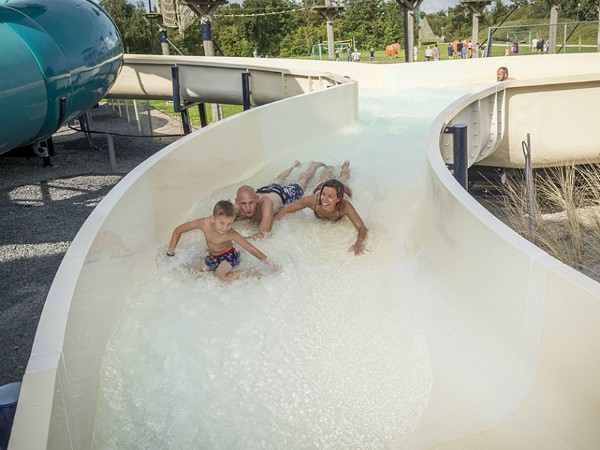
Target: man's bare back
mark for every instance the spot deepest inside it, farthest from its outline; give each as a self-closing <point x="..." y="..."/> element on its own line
<point x="260" y="206"/>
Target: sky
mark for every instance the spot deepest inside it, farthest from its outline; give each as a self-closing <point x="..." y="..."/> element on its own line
<point x="429" y="6"/>
<point x="432" y="6"/>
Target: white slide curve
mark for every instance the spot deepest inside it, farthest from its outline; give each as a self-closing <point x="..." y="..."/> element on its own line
<point x="480" y="339"/>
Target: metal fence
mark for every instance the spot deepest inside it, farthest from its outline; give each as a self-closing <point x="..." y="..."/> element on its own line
<point x="157" y="119"/>
<point x="571" y="37"/>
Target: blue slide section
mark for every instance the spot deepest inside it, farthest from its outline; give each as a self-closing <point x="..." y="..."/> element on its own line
<point x="59" y="58"/>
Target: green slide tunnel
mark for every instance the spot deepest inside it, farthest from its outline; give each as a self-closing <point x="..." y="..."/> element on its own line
<point x="59" y="58"/>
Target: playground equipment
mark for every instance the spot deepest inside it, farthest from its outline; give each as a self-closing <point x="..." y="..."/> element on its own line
<point x="320" y="51"/>
<point x="60" y="59"/>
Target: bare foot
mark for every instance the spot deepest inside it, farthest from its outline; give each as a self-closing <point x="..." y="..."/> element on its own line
<point x="345" y="173"/>
<point x="309" y="173"/>
<point x="279" y="179"/>
<point x="327" y="173"/>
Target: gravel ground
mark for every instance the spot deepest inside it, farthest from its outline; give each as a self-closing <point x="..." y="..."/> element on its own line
<point x="41" y="210"/>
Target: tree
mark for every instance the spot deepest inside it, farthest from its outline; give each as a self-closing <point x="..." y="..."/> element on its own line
<point x="437" y="21"/>
<point x="267" y="31"/>
<point x="498" y="12"/>
<point x="459" y="24"/>
<point x="301" y="40"/>
<point x="232" y="41"/>
<point x="578" y="10"/>
<point x="362" y="20"/>
<point x="137" y="32"/>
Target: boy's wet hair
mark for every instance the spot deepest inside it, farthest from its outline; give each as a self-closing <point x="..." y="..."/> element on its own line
<point x="224" y="208"/>
<point x="337" y="185"/>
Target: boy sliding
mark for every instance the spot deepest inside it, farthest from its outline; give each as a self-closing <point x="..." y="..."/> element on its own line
<point x="219" y="238"/>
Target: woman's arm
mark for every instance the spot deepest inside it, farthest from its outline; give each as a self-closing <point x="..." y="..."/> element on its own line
<point x="304" y="202"/>
<point x="359" y="246"/>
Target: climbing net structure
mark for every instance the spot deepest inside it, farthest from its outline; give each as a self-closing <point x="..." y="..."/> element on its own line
<point x="176" y="15"/>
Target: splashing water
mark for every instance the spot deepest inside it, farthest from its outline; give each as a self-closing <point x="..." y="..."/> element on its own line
<point x="323" y="354"/>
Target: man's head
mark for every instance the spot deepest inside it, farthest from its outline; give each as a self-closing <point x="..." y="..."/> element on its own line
<point x="223" y="216"/>
<point x="502" y="74"/>
<point x="246" y="200"/>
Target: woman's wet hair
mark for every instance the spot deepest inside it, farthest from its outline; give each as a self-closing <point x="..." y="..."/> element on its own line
<point x="337" y="185"/>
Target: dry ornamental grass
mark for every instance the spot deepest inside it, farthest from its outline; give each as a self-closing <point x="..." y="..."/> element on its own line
<point x="566" y="213"/>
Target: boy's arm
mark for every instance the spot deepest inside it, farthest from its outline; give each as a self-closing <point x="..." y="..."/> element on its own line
<point x="359" y="246"/>
<point x="177" y="232"/>
<point x="237" y="237"/>
<point x="304" y="202"/>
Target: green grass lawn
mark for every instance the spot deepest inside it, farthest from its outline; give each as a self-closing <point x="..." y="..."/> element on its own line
<point x="167" y="107"/>
<point x="380" y="58"/>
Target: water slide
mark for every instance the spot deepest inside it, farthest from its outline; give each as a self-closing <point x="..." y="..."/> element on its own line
<point x="452" y="332"/>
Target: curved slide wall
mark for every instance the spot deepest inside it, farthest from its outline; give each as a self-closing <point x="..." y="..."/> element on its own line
<point x="61" y="59"/>
<point x="216" y="80"/>
<point x="494" y="307"/>
<point x="507" y="312"/>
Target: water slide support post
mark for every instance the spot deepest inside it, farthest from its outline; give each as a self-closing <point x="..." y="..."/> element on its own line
<point x="461" y="163"/>
<point x="111" y="153"/>
<point x="202" y="111"/>
<point x="246" y="90"/>
<point x="529" y="186"/>
<point x="137" y="115"/>
<point x="185" y="118"/>
<point x="149" y="118"/>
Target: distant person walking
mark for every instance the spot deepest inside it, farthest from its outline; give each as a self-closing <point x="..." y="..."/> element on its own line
<point x="428" y="54"/>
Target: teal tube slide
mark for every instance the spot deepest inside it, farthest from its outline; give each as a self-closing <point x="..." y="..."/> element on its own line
<point x="59" y="58"/>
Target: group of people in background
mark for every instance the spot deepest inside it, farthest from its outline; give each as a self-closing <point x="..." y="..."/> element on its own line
<point x="432" y="54"/>
<point x="351" y="55"/>
<point x="539" y="45"/>
<point x="354" y="55"/>
<point x="460" y="49"/>
<point x="464" y="49"/>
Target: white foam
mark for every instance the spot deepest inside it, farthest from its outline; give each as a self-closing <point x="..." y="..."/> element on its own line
<point x="324" y="354"/>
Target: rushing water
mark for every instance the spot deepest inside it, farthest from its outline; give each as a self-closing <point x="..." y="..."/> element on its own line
<point x="323" y="354"/>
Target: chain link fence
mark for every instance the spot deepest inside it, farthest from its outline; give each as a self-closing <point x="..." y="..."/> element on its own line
<point x="571" y="37"/>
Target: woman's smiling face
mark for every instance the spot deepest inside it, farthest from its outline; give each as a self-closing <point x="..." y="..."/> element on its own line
<point x="328" y="197"/>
